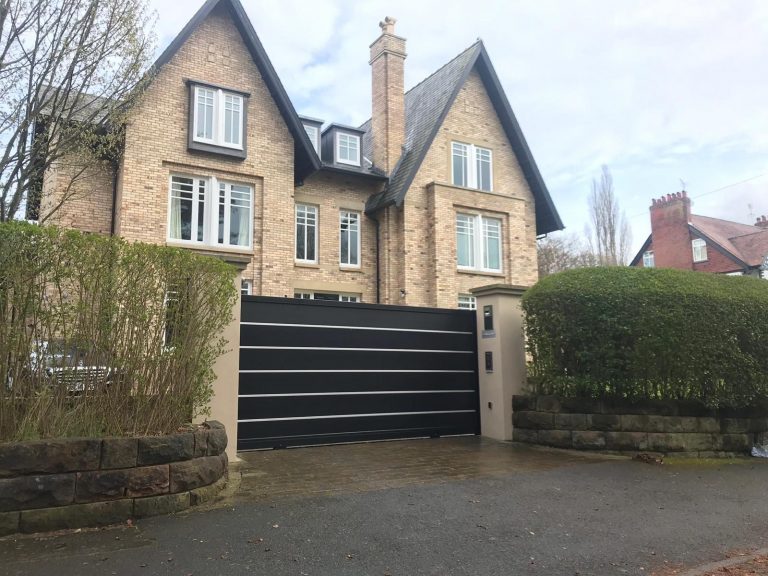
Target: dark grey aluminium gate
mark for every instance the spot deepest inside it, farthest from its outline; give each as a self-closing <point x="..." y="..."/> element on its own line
<point x="318" y="372"/>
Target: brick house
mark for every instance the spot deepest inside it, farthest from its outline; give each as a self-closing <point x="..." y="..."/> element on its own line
<point x="687" y="241"/>
<point x="436" y="194"/>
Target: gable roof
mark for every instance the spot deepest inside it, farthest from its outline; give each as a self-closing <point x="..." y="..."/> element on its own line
<point x="306" y="159"/>
<point x="746" y="245"/>
<point x="426" y="106"/>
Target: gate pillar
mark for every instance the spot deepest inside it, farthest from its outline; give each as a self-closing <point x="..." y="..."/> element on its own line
<point x="501" y="356"/>
<point x="223" y="404"/>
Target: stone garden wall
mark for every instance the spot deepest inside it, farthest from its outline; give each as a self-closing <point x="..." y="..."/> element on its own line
<point x="680" y="427"/>
<point x="76" y="482"/>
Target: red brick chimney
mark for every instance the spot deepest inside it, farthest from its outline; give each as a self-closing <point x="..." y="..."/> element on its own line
<point x="388" y="105"/>
<point x="762" y="222"/>
<point x="671" y="238"/>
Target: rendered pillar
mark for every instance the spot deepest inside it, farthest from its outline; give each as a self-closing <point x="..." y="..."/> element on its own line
<point x="503" y="374"/>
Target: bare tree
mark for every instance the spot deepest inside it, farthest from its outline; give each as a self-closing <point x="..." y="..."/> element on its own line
<point x="69" y="71"/>
<point x="563" y="252"/>
<point x="610" y="235"/>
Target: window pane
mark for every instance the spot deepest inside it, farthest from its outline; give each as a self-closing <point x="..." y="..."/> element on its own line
<point x="222" y="211"/>
<point x="232" y="119"/>
<point x="312" y="133"/>
<point x="483" y="167"/>
<point x="205" y="98"/>
<point x="301" y="249"/>
<point x="465" y="242"/>
<point x="185" y="192"/>
<point x="459" y="164"/>
<point x="240" y="215"/>
<point x="492" y="243"/>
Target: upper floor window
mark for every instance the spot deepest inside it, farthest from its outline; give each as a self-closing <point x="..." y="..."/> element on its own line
<point x="478" y="242"/>
<point x="699" y="247"/>
<point x="349" y="238"/>
<point x="306" y="233"/>
<point x="348" y="148"/>
<point x="471" y="166"/>
<point x="194" y="216"/>
<point x="314" y="136"/>
<point x="217" y="120"/>
<point x="648" y="261"/>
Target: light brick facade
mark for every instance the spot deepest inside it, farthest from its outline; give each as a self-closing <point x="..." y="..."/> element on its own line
<point x="416" y="247"/>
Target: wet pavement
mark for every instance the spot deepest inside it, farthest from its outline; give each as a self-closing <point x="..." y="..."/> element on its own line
<point x="348" y="468"/>
<point x="454" y="506"/>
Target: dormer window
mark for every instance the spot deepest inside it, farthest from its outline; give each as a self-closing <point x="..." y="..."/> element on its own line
<point x="217" y="120"/>
<point x="347" y="149"/>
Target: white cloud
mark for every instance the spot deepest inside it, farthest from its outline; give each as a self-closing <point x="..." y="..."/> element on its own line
<point x="657" y="90"/>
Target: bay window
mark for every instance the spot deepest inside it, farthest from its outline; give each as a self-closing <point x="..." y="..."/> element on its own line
<point x="478" y="242"/>
<point x="194" y="218"/>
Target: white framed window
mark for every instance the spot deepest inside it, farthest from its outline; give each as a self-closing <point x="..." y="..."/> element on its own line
<point x="467" y="302"/>
<point x="347" y="148"/>
<point x="699" y="248"/>
<point x="648" y="259"/>
<point x="313" y="133"/>
<point x="246" y="287"/>
<point x="194" y="218"/>
<point x="471" y="166"/>
<point x="218" y="117"/>
<point x="478" y="243"/>
<point x="306" y="233"/>
<point x="349" y="239"/>
<point x="330" y="296"/>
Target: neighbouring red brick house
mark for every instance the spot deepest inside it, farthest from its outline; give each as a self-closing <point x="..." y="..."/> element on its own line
<point x="687" y="241"/>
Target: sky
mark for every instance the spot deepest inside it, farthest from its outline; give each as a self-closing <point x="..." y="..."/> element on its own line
<point x="666" y="94"/>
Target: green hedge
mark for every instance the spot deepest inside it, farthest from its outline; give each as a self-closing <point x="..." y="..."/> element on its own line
<point x="649" y="333"/>
<point x="99" y="336"/>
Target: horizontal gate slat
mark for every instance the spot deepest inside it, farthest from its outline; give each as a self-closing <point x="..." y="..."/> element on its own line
<point x="305" y="432"/>
<point x="260" y="335"/>
<point x="288" y="310"/>
<point x="288" y="382"/>
<point x="355" y="360"/>
<point x="294" y="406"/>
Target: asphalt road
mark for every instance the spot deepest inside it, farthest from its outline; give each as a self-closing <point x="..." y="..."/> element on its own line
<point x="603" y="518"/>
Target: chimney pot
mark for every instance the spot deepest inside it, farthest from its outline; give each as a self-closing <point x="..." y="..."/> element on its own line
<point x="762" y="222"/>
<point x="388" y="25"/>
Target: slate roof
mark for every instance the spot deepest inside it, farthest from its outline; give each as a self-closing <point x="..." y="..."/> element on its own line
<point x="426" y="106"/>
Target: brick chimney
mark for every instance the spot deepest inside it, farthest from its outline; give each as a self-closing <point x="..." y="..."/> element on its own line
<point x="762" y="222"/>
<point x="388" y="98"/>
<point x="671" y="238"/>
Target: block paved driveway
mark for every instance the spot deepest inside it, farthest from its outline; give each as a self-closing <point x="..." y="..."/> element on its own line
<point x="452" y="506"/>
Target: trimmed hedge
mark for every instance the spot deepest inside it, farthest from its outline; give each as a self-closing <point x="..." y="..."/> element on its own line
<point x="649" y="333"/>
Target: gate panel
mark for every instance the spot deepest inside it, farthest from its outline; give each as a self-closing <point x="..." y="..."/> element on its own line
<point x="316" y="372"/>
